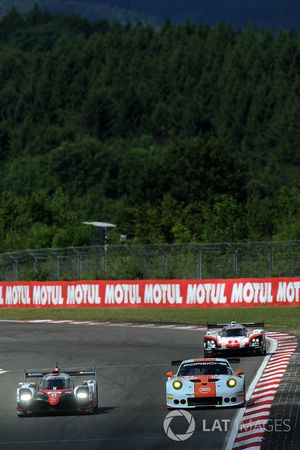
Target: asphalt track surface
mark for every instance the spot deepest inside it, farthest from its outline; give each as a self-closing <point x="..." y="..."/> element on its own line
<point x="131" y="366"/>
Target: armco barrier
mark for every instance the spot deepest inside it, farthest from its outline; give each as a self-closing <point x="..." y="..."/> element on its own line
<point x="152" y="293"/>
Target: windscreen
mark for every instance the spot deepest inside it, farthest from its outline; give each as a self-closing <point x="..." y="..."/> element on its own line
<point x="206" y="368"/>
<point x="232" y="332"/>
<point x="57" y="383"/>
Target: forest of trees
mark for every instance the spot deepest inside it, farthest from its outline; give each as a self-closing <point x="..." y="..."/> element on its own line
<point x="185" y="133"/>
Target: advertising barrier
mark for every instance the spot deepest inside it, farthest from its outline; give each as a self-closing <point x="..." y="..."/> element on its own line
<point x="152" y="293"/>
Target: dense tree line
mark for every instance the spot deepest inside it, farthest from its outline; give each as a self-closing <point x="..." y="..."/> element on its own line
<point x="177" y="134"/>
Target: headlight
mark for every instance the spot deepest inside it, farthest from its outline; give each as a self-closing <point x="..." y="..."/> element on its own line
<point x="25" y="397"/>
<point x="177" y="384"/>
<point x="82" y="395"/>
<point x="231" y="382"/>
<point x="211" y="343"/>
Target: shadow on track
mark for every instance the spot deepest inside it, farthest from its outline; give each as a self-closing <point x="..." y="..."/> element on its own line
<point x="99" y="411"/>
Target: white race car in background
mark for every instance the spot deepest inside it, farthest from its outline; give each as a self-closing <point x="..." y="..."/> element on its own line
<point x="205" y="382"/>
<point x="233" y="337"/>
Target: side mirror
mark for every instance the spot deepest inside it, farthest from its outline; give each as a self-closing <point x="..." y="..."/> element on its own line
<point x="169" y="374"/>
<point x="239" y="372"/>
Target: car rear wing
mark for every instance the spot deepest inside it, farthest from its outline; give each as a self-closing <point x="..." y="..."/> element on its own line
<point x="80" y="373"/>
<point x="254" y="324"/>
<point x="216" y="325"/>
<point x="211" y="326"/>
<point x="72" y="372"/>
<point x="234" y="360"/>
<point x="230" y="360"/>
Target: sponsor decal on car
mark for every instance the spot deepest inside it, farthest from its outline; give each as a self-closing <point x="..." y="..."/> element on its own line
<point x="204" y="389"/>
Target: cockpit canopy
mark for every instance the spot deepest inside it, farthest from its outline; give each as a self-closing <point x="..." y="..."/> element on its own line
<point x="195" y="369"/>
<point x="234" y="332"/>
<point x="56" y="382"/>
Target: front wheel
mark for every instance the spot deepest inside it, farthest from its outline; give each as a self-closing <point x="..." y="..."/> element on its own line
<point x="96" y="405"/>
<point x="95" y="409"/>
<point x="263" y="351"/>
<point x="244" y="402"/>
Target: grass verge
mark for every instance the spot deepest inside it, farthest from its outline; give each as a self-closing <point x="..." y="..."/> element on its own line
<point x="283" y="318"/>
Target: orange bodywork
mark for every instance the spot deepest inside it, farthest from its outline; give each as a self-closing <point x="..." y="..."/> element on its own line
<point x="205" y="387"/>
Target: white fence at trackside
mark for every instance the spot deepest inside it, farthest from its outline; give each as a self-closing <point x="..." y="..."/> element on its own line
<point x="174" y="261"/>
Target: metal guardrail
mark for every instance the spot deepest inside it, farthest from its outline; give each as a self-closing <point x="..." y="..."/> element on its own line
<point x="184" y="261"/>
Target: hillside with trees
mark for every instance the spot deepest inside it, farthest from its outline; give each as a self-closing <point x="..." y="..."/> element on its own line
<point x="186" y="133"/>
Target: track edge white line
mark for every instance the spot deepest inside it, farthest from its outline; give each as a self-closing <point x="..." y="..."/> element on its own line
<point x="239" y="416"/>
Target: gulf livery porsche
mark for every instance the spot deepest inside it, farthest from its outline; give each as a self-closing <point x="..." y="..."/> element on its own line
<point x="57" y="392"/>
<point x="233" y="337"/>
<point x="205" y="382"/>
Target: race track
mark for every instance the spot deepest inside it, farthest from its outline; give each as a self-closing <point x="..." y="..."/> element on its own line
<point x="131" y="366"/>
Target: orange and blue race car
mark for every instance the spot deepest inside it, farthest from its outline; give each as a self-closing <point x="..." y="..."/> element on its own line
<point x="205" y="382"/>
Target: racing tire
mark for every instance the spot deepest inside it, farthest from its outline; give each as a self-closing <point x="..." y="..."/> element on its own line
<point x="263" y="351"/>
<point x="96" y="406"/>
<point x="86" y="412"/>
<point x="244" y="402"/>
<point x="95" y="409"/>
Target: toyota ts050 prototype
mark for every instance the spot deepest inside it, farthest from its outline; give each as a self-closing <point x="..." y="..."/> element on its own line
<point x="233" y="337"/>
<point x="56" y="392"/>
<point x="205" y="382"/>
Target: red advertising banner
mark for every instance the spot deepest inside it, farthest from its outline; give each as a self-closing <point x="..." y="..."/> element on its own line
<point x="243" y="292"/>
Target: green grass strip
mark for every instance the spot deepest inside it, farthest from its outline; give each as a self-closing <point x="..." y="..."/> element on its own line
<point x="284" y="318"/>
